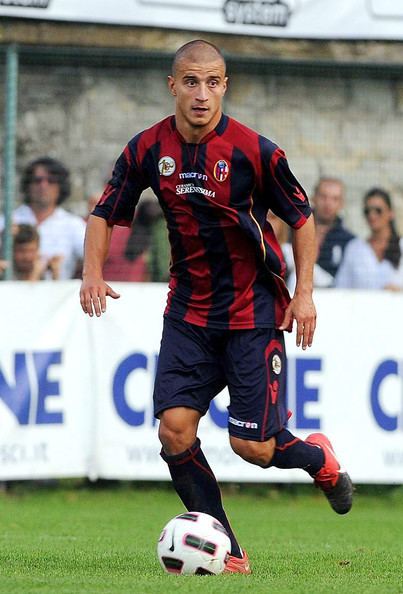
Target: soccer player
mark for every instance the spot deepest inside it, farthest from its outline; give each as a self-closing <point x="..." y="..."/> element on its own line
<point x="227" y="305"/>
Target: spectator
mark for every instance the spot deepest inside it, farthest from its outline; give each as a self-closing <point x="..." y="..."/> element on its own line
<point x="139" y="253"/>
<point x="321" y="278"/>
<point x="376" y="263"/>
<point x="331" y="236"/>
<point x="160" y="255"/>
<point x="149" y="240"/>
<point x="45" y="186"/>
<point x="117" y="267"/>
<point x="27" y="262"/>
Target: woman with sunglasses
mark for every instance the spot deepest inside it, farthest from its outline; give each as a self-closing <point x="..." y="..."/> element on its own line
<point x="376" y="263"/>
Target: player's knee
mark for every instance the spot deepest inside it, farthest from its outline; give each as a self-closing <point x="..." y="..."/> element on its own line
<point x="255" y="452"/>
<point x="175" y="435"/>
<point x="174" y="440"/>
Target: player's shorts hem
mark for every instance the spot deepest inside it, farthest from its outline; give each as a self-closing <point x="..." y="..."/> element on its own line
<point x="248" y="436"/>
<point x="161" y="409"/>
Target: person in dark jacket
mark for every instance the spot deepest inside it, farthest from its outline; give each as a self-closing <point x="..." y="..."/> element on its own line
<point x="332" y="237"/>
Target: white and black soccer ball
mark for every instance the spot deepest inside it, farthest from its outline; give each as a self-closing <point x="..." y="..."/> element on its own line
<point x="194" y="543"/>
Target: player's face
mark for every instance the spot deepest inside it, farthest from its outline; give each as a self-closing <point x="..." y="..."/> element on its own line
<point x="328" y="201"/>
<point x="378" y="213"/>
<point x="198" y="89"/>
<point x="43" y="189"/>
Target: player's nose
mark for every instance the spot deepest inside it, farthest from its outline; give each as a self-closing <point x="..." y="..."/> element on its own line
<point x="202" y="94"/>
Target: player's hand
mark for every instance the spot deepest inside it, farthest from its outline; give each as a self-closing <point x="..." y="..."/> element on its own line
<point x="93" y="293"/>
<point x="301" y="309"/>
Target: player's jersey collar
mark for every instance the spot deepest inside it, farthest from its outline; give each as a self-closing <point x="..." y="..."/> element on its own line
<point x="218" y="130"/>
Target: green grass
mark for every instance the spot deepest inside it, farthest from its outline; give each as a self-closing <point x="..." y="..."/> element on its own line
<point x="79" y="540"/>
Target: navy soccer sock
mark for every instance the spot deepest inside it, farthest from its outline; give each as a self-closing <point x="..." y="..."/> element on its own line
<point x="292" y="452"/>
<point x="196" y="485"/>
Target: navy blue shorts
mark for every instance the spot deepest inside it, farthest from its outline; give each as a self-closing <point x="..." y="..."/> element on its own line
<point x="196" y="363"/>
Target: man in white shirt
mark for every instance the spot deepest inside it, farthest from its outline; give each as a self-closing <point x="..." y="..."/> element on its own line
<point x="45" y="186"/>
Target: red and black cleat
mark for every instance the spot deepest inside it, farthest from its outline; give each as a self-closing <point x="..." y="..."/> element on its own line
<point x="237" y="565"/>
<point x="331" y="479"/>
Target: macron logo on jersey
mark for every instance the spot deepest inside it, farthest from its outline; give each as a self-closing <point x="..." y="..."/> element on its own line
<point x="193" y="175"/>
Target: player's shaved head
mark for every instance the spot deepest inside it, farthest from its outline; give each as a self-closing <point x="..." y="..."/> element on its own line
<point x="199" y="51"/>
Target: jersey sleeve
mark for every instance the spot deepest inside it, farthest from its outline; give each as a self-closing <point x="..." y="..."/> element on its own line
<point x="122" y="193"/>
<point x="282" y="192"/>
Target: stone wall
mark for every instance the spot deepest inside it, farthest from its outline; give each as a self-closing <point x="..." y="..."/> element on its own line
<point x="343" y="123"/>
<point x="344" y="127"/>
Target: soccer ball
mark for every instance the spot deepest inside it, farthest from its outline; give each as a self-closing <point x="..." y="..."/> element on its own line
<point x="194" y="543"/>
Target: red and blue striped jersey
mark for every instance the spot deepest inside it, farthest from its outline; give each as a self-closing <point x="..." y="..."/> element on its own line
<point x="227" y="267"/>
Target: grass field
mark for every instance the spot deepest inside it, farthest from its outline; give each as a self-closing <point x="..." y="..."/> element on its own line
<point x="80" y="540"/>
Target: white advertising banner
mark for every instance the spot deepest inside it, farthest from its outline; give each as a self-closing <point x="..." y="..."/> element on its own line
<point x="45" y="382"/>
<point x="127" y="445"/>
<point x="76" y="393"/>
<point x="311" y="19"/>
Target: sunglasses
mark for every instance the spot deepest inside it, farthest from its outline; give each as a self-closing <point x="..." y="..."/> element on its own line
<point x="38" y="179"/>
<point x="376" y="209"/>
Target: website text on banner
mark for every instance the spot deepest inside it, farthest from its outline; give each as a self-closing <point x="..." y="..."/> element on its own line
<point x="76" y="396"/>
<point x="346" y="19"/>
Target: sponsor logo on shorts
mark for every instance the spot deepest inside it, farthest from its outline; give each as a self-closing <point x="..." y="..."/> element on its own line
<point x="244" y="424"/>
<point x="166" y="166"/>
<point x="221" y="170"/>
<point x="276" y="364"/>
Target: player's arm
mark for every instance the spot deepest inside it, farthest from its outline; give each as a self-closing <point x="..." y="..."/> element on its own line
<point x="288" y="200"/>
<point x="301" y="307"/>
<point x="94" y="289"/>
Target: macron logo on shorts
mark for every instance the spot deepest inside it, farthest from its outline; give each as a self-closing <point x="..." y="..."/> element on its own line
<point x="245" y="424"/>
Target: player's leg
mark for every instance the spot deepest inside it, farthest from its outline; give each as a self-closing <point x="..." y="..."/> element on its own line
<point x="258" y="417"/>
<point x="260" y="436"/>
<point x="188" y="377"/>
<point x="192" y="477"/>
<point x="178" y="429"/>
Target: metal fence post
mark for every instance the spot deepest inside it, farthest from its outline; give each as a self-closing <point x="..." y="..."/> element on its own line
<point x="10" y="129"/>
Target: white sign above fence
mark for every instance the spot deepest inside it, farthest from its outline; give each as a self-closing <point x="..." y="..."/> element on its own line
<point x="309" y="19"/>
<point x="76" y="393"/>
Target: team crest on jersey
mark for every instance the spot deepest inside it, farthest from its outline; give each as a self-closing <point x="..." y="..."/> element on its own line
<point x="221" y="170"/>
<point x="166" y="166"/>
<point x="276" y="364"/>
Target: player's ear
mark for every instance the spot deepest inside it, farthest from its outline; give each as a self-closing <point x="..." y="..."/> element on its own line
<point x="225" y="85"/>
<point x="171" y="85"/>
